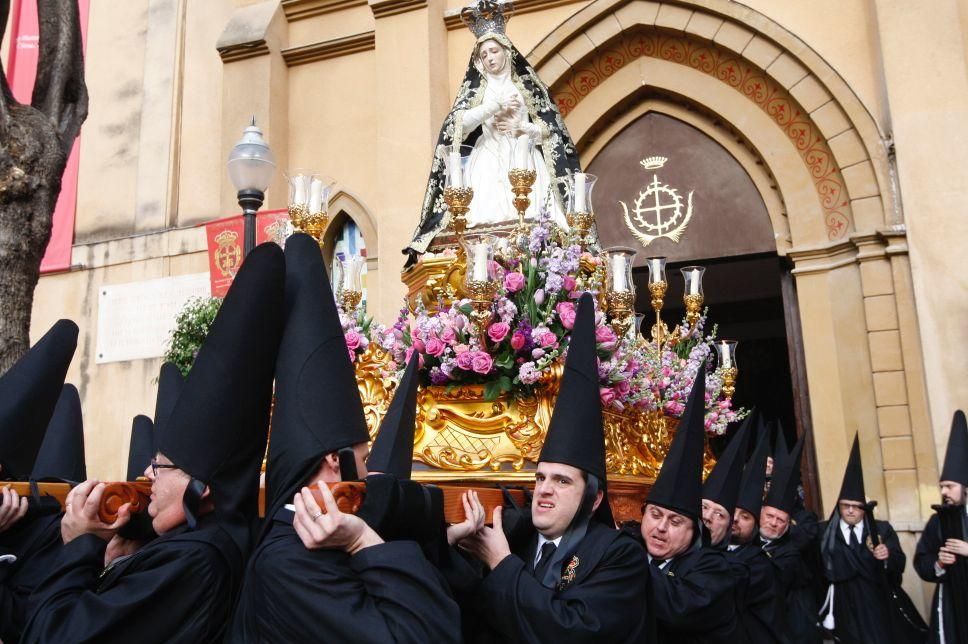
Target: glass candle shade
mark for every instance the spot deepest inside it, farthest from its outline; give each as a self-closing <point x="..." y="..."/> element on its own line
<point x="580" y="193"/>
<point x="657" y="266"/>
<point x="727" y="354"/>
<point x="456" y="166"/>
<point x="350" y="273"/>
<point x="300" y="186"/>
<point x="692" y="275"/>
<point x="481" y="266"/>
<point x="618" y="266"/>
<point x="522" y="148"/>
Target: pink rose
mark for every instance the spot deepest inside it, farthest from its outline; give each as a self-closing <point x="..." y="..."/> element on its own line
<point x="566" y="311"/>
<point x="435" y="347"/>
<point x="352" y="355"/>
<point x="498" y="331"/>
<point x="622" y="387"/>
<point x="420" y="358"/>
<point x="570" y="283"/>
<point x="465" y="360"/>
<point x="482" y="362"/>
<point x="548" y="339"/>
<point x="513" y="282"/>
<point x="448" y="335"/>
<point x="419" y="345"/>
<point x="353" y="340"/>
<point x="607" y="395"/>
<point x="604" y="335"/>
<point x="518" y="340"/>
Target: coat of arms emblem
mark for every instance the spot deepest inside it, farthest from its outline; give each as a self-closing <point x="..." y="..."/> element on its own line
<point x="228" y="256"/>
<point x="657" y="211"/>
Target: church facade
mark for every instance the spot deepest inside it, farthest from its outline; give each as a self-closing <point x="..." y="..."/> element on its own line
<point x="815" y="147"/>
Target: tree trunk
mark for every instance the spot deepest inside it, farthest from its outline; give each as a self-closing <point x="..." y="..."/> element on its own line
<point x="35" y="141"/>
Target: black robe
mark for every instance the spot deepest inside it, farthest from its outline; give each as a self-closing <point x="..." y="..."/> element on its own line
<point x="178" y="588"/>
<point x="605" y="600"/>
<point x="693" y="597"/>
<point x="385" y="593"/>
<point x="756" y="607"/>
<point x="925" y="556"/>
<point x="861" y="609"/>
<point x="797" y="570"/>
<point x="35" y="541"/>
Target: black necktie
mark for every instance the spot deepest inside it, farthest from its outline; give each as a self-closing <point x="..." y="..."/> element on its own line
<point x="657" y="563"/>
<point x="544" y="562"/>
<point x="854" y="543"/>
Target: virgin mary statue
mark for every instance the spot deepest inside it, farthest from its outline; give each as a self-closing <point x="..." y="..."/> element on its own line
<point x="500" y="99"/>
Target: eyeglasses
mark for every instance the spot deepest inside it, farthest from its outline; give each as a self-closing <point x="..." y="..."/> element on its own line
<point x="155" y="466"/>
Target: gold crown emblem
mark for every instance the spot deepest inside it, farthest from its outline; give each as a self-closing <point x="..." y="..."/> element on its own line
<point x="226" y="238"/>
<point x="653" y="163"/>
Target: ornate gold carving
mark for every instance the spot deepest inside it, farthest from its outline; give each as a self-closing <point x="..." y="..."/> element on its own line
<point x="458" y="202"/>
<point x="350" y="299"/>
<point x="580" y="224"/>
<point x="729" y="381"/>
<point x="693" y="309"/>
<point x="312" y="223"/>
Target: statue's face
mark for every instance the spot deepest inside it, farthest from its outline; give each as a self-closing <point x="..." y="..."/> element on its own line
<point x="493" y="56"/>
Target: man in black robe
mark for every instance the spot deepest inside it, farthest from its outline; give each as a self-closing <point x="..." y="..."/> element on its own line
<point x="942" y="552"/>
<point x="567" y="575"/>
<point x="788" y="536"/>
<point x="331" y="575"/>
<point x="37" y="414"/>
<point x="692" y="585"/>
<point x="181" y="586"/>
<point x="860" y="574"/>
<point x="757" y="611"/>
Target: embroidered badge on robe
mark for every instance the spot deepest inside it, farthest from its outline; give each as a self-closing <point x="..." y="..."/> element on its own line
<point x="568" y="576"/>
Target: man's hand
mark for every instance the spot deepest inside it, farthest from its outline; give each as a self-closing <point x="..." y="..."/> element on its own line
<point x="474" y="518"/>
<point x="80" y="513"/>
<point x="956" y="547"/>
<point x="945" y="558"/>
<point x="881" y="553"/>
<point x="118" y="546"/>
<point x="489" y="544"/>
<point x="12" y="508"/>
<point x="331" y="529"/>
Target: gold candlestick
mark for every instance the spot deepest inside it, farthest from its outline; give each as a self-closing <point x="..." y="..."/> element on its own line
<point x="482" y="294"/>
<point x="620" y="307"/>
<point x="458" y="201"/>
<point x="313" y="224"/>
<point x="580" y="224"/>
<point x="729" y="381"/>
<point x="657" y="291"/>
<point x="521" y="183"/>
<point x="350" y="299"/>
<point x="693" y="304"/>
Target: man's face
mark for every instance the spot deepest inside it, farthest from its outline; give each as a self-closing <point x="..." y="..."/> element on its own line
<point x="851" y="512"/>
<point x="717" y="520"/>
<point x="952" y="493"/>
<point x="666" y="533"/>
<point x="167" y="492"/>
<point x="769" y="466"/>
<point x="744" y="524"/>
<point x="558" y="491"/>
<point x="773" y="522"/>
<point x="493" y="56"/>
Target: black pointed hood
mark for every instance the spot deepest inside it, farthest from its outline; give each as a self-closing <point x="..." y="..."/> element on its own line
<point x="392" y="449"/>
<point x="722" y="484"/>
<point x="679" y="484"/>
<point x="956" y="456"/>
<point x="170" y="384"/>
<point x="61" y="456"/>
<point x="575" y="434"/>
<point x="141" y="449"/>
<point x="852" y="488"/>
<point x="786" y="480"/>
<point x="318" y="408"/>
<point x="217" y="430"/>
<point x="28" y="394"/>
<point x="780" y="449"/>
<point x="754" y="476"/>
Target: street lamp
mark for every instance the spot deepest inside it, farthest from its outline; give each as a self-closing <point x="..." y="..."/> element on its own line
<point x="251" y="165"/>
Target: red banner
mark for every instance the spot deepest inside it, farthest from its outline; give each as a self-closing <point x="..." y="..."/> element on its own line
<point x="225" y="244"/>
<point x="21" y="71"/>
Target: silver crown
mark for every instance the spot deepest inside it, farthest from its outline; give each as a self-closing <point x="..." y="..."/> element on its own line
<point x="487" y="16"/>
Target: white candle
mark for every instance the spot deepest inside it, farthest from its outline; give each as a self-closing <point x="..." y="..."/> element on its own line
<point x="521" y="152"/>
<point x="618" y="274"/>
<point x="480" y="263"/>
<point x="316" y="196"/>
<point x="299" y="198"/>
<point x="580" y="192"/>
<point x="727" y="361"/>
<point x="694" y="283"/>
<point x="453" y="169"/>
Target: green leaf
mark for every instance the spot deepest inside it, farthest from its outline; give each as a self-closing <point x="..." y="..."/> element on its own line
<point x="492" y="390"/>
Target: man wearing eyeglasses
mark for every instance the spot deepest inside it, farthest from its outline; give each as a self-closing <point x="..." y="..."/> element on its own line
<point x="181" y="586"/>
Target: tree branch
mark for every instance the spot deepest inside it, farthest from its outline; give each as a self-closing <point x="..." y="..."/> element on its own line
<point x="59" y="91"/>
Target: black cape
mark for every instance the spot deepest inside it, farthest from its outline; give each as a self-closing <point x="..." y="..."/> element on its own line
<point x="178" y="588"/>
<point x="605" y="600"/>
<point x="36" y="542"/>
<point x="795" y="558"/>
<point x="384" y="593"/>
<point x="756" y="606"/>
<point x="861" y="610"/>
<point x="925" y="557"/>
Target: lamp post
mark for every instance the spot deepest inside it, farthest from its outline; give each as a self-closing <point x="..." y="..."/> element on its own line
<point x="250" y="166"/>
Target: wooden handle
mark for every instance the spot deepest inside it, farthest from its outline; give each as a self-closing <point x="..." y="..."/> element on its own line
<point x="137" y="493"/>
<point x="57" y="491"/>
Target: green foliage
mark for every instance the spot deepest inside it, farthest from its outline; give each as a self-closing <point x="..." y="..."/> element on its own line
<point x="191" y="328"/>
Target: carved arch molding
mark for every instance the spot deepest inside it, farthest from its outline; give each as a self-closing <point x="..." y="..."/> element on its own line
<point x="734" y="72"/>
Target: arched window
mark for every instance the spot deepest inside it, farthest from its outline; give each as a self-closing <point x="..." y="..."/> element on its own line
<point x="344" y="239"/>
